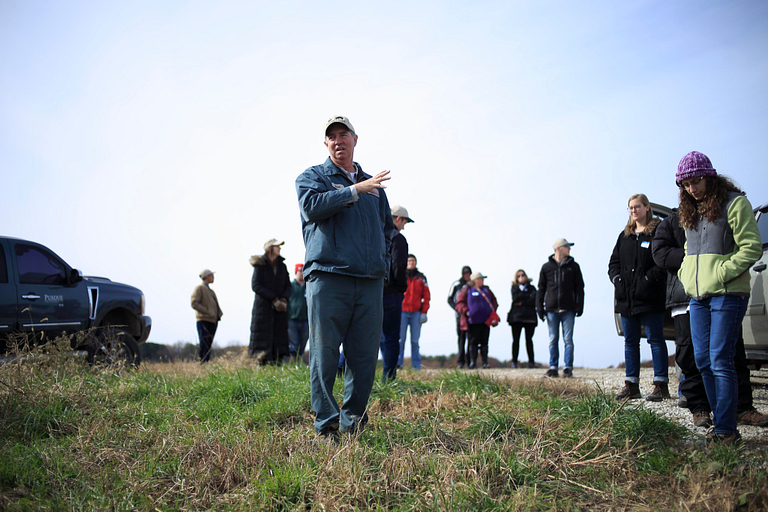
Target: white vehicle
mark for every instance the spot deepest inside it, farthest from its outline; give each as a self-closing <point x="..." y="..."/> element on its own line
<point x="755" y="324"/>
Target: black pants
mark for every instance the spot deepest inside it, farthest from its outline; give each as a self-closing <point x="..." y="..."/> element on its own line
<point x="744" y="402"/>
<point x="461" y="359"/>
<point x="692" y="387"/>
<point x="478" y="339"/>
<point x="517" y="328"/>
<point x="206" y="331"/>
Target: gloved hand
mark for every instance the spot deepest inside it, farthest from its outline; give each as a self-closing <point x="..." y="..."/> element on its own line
<point x="543" y="317"/>
<point x="280" y="305"/>
<point x="423" y="318"/>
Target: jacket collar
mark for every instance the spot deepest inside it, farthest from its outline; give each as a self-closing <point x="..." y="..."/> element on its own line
<point x="329" y="169"/>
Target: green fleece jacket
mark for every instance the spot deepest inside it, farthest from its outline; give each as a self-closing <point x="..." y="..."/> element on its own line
<point x="718" y="254"/>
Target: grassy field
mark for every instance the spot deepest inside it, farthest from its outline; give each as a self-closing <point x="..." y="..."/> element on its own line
<point x="231" y="436"/>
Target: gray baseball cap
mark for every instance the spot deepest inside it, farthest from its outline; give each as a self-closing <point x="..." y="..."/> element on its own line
<point x="340" y="120"/>
<point x="399" y="211"/>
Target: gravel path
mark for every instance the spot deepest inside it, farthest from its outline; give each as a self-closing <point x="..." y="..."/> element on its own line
<point x="612" y="380"/>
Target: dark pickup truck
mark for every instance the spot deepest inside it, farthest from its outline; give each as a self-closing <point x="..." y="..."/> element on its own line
<point x="41" y="297"/>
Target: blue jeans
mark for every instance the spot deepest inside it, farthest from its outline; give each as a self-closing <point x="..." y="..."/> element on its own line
<point x="410" y="319"/>
<point x="553" y="323"/>
<point x="298" y="333"/>
<point x="654" y="331"/>
<point x="715" y="323"/>
<point x="390" y="334"/>
<point x="343" y="311"/>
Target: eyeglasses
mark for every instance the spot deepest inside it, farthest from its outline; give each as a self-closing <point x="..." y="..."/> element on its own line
<point x="636" y="208"/>
<point x="692" y="183"/>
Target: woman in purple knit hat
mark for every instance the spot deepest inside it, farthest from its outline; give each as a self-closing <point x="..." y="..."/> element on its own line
<point x="722" y="243"/>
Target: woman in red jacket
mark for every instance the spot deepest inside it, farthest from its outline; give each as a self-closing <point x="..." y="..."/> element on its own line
<point x="415" y="307"/>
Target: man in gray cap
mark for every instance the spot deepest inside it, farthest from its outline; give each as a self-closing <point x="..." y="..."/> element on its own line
<point x="348" y="230"/>
<point x="560" y="298"/>
<point x="207" y="312"/>
<point x="394" y="291"/>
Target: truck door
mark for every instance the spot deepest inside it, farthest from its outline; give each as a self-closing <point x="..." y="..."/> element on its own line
<point x="7" y="299"/>
<point x="756" y="320"/>
<point x="47" y="306"/>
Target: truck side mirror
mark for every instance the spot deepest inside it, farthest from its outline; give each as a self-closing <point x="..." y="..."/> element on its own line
<point x="74" y="277"/>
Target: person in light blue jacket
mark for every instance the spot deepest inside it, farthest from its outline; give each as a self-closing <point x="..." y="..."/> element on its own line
<point x="347" y="228"/>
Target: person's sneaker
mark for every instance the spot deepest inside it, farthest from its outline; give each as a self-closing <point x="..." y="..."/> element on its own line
<point x="459" y="366"/>
<point x="514" y="364"/>
<point x="329" y="435"/>
<point x="472" y="366"/>
<point x="486" y="366"/>
<point x="753" y="417"/>
<point x="702" y="419"/>
<point x="713" y="438"/>
<point x="630" y="391"/>
<point x="552" y="373"/>
<point x="660" y="391"/>
<point x="682" y="402"/>
<point x="567" y="373"/>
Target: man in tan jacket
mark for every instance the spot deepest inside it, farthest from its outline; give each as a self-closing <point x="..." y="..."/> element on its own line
<point x="207" y="312"/>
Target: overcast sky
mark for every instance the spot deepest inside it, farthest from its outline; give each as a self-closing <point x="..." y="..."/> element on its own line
<point x="144" y="141"/>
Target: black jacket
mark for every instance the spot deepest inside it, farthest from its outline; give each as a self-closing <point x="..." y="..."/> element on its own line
<point x="397" y="282"/>
<point x="638" y="282"/>
<point x="668" y="253"/>
<point x="523" y="308"/>
<point x="561" y="287"/>
<point x="269" y="328"/>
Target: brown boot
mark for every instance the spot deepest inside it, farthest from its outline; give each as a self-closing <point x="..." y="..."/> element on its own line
<point x="660" y="391"/>
<point x="630" y="391"/>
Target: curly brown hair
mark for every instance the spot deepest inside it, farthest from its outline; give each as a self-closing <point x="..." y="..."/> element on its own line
<point x="711" y="207"/>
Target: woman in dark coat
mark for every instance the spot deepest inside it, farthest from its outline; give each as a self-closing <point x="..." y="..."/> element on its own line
<point x="522" y="315"/>
<point x="269" y="318"/>
<point x="640" y="294"/>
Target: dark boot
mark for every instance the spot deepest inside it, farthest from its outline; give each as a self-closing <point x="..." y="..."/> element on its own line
<point x="630" y="391"/>
<point x="660" y="391"/>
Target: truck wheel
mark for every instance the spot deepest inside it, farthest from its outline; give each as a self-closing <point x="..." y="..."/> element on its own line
<point x="112" y="347"/>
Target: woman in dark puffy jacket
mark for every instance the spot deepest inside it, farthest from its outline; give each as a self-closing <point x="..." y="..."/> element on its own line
<point x="522" y="315"/>
<point x="269" y="318"/>
<point x="640" y="287"/>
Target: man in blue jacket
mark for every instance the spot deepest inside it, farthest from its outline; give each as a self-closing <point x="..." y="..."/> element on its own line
<point x="348" y="229"/>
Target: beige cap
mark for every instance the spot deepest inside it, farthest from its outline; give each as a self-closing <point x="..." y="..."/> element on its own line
<point x="341" y="120"/>
<point x="477" y="275"/>
<point x="561" y="242"/>
<point x="272" y="241"/>
<point x="205" y="273"/>
<point x="399" y="211"/>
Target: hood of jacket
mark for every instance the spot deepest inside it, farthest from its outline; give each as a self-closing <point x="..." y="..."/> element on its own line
<point x="261" y="259"/>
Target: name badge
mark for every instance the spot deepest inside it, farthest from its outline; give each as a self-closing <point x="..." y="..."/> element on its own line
<point x="475" y="294"/>
<point x="337" y="186"/>
<point x="645" y="244"/>
<point x="374" y="192"/>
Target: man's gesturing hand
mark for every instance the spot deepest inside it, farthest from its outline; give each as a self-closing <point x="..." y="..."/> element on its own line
<point x="372" y="183"/>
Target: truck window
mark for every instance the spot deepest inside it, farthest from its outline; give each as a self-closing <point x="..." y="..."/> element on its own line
<point x="37" y="266"/>
<point x="3" y="266"/>
<point x="762" y="223"/>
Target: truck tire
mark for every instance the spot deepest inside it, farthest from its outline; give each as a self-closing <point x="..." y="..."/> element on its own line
<point x="112" y="346"/>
